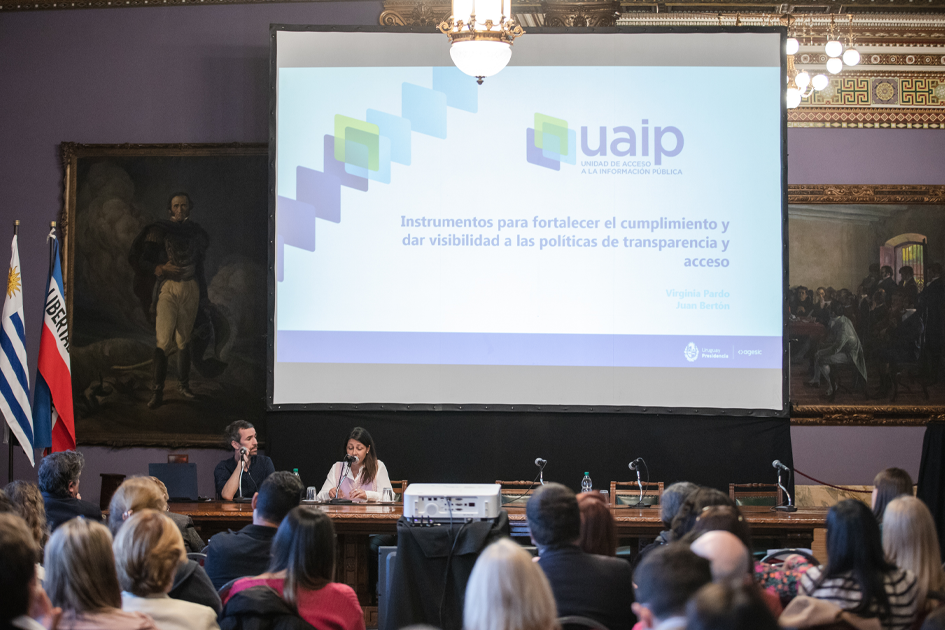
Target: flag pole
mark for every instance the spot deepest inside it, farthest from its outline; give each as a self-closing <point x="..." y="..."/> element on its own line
<point x="16" y="228"/>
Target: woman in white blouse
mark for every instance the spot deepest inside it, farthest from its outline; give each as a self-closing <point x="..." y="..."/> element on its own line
<point x="365" y="478"/>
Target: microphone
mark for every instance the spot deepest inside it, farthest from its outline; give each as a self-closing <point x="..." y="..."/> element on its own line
<point x="635" y="464"/>
<point x="540" y="462"/>
<point x="777" y="464"/>
<point x="351" y="459"/>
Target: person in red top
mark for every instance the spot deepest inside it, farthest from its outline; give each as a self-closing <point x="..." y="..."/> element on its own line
<point x="303" y="563"/>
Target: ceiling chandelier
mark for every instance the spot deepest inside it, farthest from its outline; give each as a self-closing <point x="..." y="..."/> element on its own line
<point x="800" y="84"/>
<point x="481" y="33"/>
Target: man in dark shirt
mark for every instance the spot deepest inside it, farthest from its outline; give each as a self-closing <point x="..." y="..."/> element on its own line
<point x="239" y="554"/>
<point x="59" y="482"/>
<point x="583" y="584"/>
<point x="665" y="581"/>
<point x="226" y="477"/>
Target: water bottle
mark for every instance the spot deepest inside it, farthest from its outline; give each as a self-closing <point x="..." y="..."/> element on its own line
<point x="295" y="471"/>
<point x="586" y="484"/>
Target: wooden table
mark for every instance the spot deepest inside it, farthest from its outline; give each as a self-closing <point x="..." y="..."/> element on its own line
<point x="354" y="523"/>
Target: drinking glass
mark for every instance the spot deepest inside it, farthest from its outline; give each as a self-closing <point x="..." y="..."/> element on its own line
<point x="388" y="495"/>
<point x="311" y="493"/>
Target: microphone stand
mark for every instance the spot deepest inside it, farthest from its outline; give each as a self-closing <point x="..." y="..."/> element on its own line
<point x="337" y="500"/>
<point x="241" y="498"/>
<point x="790" y="506"/>
<point x="640" y="503"/>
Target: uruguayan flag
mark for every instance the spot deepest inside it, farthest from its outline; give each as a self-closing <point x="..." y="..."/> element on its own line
<point x="14" y="382"/>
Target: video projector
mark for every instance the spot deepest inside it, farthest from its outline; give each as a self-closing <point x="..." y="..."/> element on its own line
<point x="438" y="502"/>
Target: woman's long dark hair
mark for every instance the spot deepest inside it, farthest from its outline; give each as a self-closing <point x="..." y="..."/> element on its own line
<point x="855" y="546"/>
<point x="890" y="483"/>
<point x="304" y="547"/>
<point x="692" y="507"/>
<point x="370" y="460"/>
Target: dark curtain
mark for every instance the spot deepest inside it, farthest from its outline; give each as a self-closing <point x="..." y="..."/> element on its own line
<point x="481" y="447"/>
<point x="932" y="475"/>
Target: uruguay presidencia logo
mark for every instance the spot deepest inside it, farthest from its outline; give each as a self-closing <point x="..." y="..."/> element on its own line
<point x="691" y="352"/>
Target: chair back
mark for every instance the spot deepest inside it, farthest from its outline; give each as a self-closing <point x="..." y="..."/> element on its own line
<point x="517" y="491"/>
<point x="577" y="622"/>
<point x="200" y="558"/>
<point x="762" y="494"/>
<point x="628" y="492"/>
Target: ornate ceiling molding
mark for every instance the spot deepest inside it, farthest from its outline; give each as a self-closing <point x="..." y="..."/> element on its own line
<point x="866" y="194"/>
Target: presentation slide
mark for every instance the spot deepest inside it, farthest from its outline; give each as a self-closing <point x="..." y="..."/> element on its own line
<point x="600" y="224"/>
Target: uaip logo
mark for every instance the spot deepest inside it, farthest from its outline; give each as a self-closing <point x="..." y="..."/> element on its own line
<point x="550" y="142"/>
<point x="691" y="352"/>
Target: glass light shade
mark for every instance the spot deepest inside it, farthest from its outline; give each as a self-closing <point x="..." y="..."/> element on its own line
<point x="484" y="10"/>
<point x="793" y="98"/>
<point x="792" y="46"/>
<point x="820" y="81"/>
<point x="833" y="48"/>
<point x="851" y="56"/>
<point x="834" y="65"/>
<point x="802" y="80"/>
<point x="481" y="58"/>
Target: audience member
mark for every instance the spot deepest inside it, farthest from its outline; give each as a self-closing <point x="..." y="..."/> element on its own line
<point x="871" y="281"/>
<point x="720" y="517"/>
<point x="241" y="437"/>
<point x="664" y="581"/>
<point x="670" y="502"/>
<point x="6" y="505"/>
<point x="506" y="591"/>
<point x="82" y="580"/>
<point x="59" y="475"/>
<point x="301" y="571"/>
<point x="583" y="584"/>
<point x="888" y="283"/>
<point x="724" y="606"/>
<point x="28" y="503"/>
<point x="857" y="577"/>
<point x="192" y="540"/>
<point x="727" y="555"/>
<point x="191" y="583"/>
<point x="148" y="550"/>
<point x="598" y="530"/>
<point x="693" y="506"/>
<point x="887" y="485"/>
<point x="731" y="563"/>
<point x="23" y="602"/>
<point x="232" y="555"/>
<point x="911" y="542"/>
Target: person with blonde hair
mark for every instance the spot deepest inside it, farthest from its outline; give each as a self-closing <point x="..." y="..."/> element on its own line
<point x="148" y="551"/>
<point x="81" y="579"/>
<point x="191" y="582"/>
<point x="507" y="591"/>
<point x="911" y="542"/>
<point x="192" y="540"/>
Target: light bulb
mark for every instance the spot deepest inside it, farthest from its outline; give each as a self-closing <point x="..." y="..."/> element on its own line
<point x="792" y="45"/>
<point x="834" y="65"/>
<point x="820" y="81"/>
<point x="833" y="48"/>
<point x="802" y="80"/>
<point x="793" y="98"/>
<point x="851" y="56"/>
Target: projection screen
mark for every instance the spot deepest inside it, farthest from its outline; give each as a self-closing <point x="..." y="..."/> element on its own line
<point x="598" y="226"/>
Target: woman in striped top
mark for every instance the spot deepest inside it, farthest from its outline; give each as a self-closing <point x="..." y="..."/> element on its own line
<point x="857" y="577"/>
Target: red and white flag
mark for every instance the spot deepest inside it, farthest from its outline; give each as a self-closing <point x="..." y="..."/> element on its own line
<point x="53" y="421"/>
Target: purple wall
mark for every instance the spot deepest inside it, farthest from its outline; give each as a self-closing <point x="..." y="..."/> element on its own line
<point x="200" y="74"/>
<point x="868" y="156"/>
